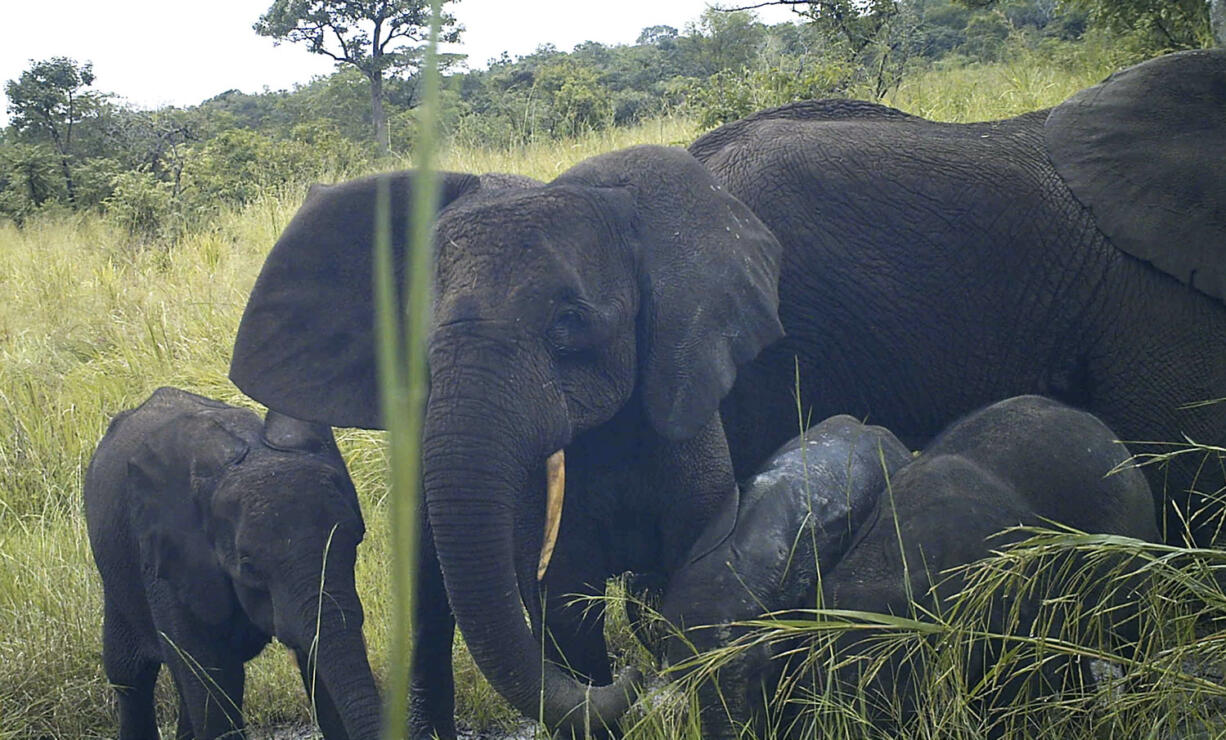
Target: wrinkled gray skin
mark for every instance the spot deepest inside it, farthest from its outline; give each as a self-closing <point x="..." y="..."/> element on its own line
<point x="211" y="527"/>
<point x="920" y="270"/>
<point x="794" y="519"/>
<point x="1027" y="461"/>
<point x="930" y="269"/>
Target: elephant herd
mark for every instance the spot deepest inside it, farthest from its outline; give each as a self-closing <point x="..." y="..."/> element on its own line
<point x="1007" y="298"/>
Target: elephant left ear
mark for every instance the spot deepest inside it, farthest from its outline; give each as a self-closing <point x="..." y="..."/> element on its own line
<point x="171" y="479"/>
<point x="1145" y="151"/>
<point x="708" y="273"/>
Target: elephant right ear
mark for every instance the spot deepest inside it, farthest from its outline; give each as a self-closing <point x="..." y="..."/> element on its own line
<point x="1145" y="151"/>
<point x="170" y="480"/>
<point x="306" y="344"/>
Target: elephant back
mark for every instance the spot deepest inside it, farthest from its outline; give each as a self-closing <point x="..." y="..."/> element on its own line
<point x="1145" y="152"/>
<point x="826" y="109"/>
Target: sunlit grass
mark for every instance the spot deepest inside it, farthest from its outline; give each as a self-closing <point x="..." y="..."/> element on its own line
<point x="1026" y="80"/>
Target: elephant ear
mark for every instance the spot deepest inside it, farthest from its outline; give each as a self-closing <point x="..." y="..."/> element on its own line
<point x="306" y="344"/>
<point x="708" y="281"/>
<point x="171" y="479"/>
<point x="1145" y="151"/>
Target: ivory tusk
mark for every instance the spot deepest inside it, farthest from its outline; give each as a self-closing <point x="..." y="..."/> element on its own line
<point x="555" y="487"/>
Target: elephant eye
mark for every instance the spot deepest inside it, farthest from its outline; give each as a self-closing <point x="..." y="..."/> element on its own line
<point x="568" y="332"/>
<point x="248" y="570"/>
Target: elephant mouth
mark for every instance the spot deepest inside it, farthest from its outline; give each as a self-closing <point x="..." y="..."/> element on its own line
<point x="555" y="492"/>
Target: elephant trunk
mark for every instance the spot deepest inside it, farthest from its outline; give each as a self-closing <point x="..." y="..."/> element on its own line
<point x="480" y="447"/>
<point x="340" y="664"/>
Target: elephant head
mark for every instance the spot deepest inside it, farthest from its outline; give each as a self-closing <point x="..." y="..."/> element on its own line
<point x="261" y="520"/>
<point x="627" y="291"/>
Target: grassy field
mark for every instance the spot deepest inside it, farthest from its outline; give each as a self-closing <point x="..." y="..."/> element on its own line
<point x="92" y="321"/>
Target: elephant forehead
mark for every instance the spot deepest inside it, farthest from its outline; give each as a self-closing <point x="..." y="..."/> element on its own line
<point x="535" y="249"/>
<point x="289" y="490"/>
<point x="520" y="224"/>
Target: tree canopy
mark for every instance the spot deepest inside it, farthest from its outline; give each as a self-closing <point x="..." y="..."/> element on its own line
<point x="48" y="100"/>
<point x="375" y="36"/>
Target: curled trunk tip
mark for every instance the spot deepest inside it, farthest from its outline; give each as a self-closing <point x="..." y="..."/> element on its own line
<point x="599" y="707"/>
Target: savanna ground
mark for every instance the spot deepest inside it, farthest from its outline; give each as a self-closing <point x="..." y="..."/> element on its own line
<point x="93" y="319"/>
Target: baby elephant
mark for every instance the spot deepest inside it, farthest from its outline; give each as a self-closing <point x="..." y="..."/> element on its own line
<point x="214" y="532"/>
<point x="1023" y="461"/>
<point x="794" y="518"/>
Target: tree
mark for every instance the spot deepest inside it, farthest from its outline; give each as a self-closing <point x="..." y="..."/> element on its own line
<point x="726" y="39"/>
<point x="48" y="100"/>
<point x="662" y="36"/>
<point x="873" y="35"/>
<point x="375" y="36"/>
<point x="1171" y="24"/>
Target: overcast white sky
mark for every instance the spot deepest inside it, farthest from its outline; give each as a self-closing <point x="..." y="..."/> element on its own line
<point x="169" y="52"/>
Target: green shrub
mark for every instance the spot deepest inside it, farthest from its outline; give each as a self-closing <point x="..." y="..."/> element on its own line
<point x="728" y="95"/>
<point x="240" y="166"/>
<point x="140" y="204"/>
<point x="29" y="179"/>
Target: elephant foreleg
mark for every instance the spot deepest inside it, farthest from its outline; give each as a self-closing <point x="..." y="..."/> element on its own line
<point x="210" y="684"/>
<point x="132" y="675"/>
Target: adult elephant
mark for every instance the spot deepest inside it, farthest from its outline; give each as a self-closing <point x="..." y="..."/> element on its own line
<point x="928" y="269"/>
<point x="604" y="313"/>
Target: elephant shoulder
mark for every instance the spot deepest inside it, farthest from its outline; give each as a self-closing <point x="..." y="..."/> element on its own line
<point x="806" y="111"/>
<point x="1145" y="152"/>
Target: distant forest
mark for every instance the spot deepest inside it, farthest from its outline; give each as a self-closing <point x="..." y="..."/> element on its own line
<point x="69" y="145"/>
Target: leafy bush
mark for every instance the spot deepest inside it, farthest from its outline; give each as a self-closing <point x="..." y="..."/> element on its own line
<point x="240" y="166"/>
<point x="729" y="95"/>
<point x="28" y="179"/>
<point x="140" y="204"/>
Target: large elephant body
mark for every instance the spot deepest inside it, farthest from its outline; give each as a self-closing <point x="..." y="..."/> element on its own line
<point x="925" y="270"/>
<point x="931" y="268"/>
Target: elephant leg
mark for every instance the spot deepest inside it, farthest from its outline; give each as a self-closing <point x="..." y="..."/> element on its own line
<point x="324" y="708"/>
<point x="432" y="690"/>
<point x="131" y="674"/>
<point x="210" y="685"/>
<point x="183" y="730"/>
<point x="574" y="639"/>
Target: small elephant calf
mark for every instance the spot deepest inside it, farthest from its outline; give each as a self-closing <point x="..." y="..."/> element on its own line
<point x="1026" y="461"/>
<point x="213" y="532"/>
<point x="795" y="517"/>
